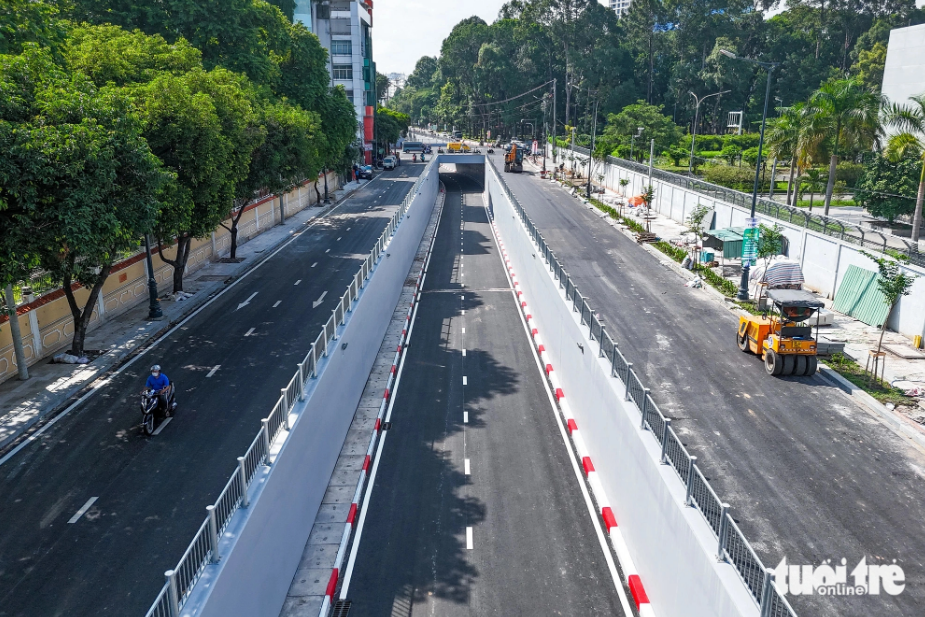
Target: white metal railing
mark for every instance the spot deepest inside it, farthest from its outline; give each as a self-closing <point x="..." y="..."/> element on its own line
<point x="204" y="549"/>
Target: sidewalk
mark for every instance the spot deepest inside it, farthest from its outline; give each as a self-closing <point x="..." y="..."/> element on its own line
<point x="52" y="387"/>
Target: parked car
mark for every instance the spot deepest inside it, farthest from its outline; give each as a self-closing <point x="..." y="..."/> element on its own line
<point x="389" y="162"/>
<point x="365" y="172"/>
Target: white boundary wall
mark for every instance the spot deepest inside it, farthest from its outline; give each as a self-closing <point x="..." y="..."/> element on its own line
<point x="824" y="259"/>
<point x="670" y="543"/>
<point x="262" y="551"/>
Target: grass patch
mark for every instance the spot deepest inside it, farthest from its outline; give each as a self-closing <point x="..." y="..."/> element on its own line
<point x="854" y="372"/>
<point x="675" y="252"/>
<point x="819" y="204"/>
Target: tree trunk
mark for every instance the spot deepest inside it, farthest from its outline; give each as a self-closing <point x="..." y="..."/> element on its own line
<point x="917" y="217"/>
<point x="179" y="261"/>
<point x="883" y="327"/>
<point x="22" y="365"/>
<point x="235" y="219"/>
<point x="82" y="317"/>
<point x="830" y="187"/>
<point x="317" y="192"/>
<point x="790" y="178"/>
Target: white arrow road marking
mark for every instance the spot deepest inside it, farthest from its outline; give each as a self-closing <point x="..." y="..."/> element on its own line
<point x="214" y="368"/>
<point x="319" y="300"/>
<point x="82" y="511"/>
<point x="248" y="301"/>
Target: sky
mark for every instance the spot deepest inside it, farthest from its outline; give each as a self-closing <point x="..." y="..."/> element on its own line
<point x="405" y="30"/>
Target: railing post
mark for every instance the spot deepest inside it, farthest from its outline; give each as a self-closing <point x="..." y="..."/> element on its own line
<point x="284" y="394"/>
<point x="173" y="598"/>
<point x="265" y="427"/>
<point x="302" y="380"/>
<point x="213" y="535"/>
<point x="691" y="466"/>
<point x="603" y="328"/>
<point x="766" y="590"/>
<point x="721" y="535"/>
<point x="242" y="479"/>
<point x="629" y="373"/>
<point x="645" y="408"/>
<point x="665" y="428"/>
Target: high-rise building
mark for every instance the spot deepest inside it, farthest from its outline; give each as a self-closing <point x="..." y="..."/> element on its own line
<point x="619" y="6"/>
<point x="344" y="28"/>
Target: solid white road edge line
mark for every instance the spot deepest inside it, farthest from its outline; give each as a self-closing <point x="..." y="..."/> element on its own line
<point x="354" y="549"/>
<point x="96" y="386"/>
<point x="82" y="511"/>
<point x="592" y="511"/>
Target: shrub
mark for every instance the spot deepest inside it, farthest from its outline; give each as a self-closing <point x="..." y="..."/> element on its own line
<point x="849" y="173"/>
<point x="739" y="178"/>
<point x="731" y="153"/>
<point x="744" y="141"/>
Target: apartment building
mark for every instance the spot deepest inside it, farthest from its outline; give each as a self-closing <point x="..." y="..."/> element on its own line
<point x="620" y="7"/>
<point x="344" y="28"/>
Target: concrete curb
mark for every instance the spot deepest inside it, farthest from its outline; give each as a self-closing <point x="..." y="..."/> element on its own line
<point x="114" y="361"/>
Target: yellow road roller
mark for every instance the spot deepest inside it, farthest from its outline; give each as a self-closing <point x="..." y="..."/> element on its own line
<point x="783" y="337"/>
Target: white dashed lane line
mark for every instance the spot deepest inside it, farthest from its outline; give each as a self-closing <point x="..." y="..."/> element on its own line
<point x="214" y="369"/>
<point x="470" y="544"/>
<point x="314" y="264"/>
<point x="298" y="281"/>
<point x="82" y="511"/>
<point x="278" y="302"/>
<point x="249" y="332"/>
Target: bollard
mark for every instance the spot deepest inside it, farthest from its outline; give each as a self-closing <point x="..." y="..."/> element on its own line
<point x="213" y="535"/>
<point x="645" y="408"/>
<point x="664" y="459"/>
<point x="173" y="598"/>
<point x="242" y="481"/>
<point x="266" y="439"/>
<point x="691" y="467"/>
<point x="721" y="536"/>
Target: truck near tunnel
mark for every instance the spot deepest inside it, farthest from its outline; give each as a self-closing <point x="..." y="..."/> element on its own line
<point x="514" y="159"/>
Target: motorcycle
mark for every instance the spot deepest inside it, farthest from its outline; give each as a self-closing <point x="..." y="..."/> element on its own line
<point x="153" y="411"/>
<point x="477" y="151"/>
<point x="491" y="151"/>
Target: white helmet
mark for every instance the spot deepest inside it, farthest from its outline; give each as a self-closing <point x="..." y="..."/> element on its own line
<point x="156" y="368"/>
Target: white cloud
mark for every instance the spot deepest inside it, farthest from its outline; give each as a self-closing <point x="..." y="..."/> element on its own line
<point x="405" y="30"/>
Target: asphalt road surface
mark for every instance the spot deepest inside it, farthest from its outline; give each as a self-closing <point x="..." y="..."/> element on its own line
<point x="151" y="493"/>
<point x="810" y="475"/>
<point x="476" y="509"/>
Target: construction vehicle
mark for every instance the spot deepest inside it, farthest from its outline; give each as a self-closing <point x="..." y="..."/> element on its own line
<point x="456" y="147"/>
<point x="782" y="337"/>
<point x="514" y="159"/>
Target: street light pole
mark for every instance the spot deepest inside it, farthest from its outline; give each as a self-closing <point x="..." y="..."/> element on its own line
<point x="698" y="101"/>
<point x="769" y="66"/>
<point x="591" y="152"/>
<point x="638" y="133"/>
<point x="154" y="305"/>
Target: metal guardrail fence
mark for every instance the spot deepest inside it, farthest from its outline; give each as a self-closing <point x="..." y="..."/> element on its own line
<point x="732" y="547"/>
<point x="204" y="549"/>
<point x="826" y="225"/>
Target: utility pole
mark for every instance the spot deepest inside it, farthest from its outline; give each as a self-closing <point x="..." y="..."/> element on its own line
<point x="553" y="122"/>
<point x="154" y="305"/>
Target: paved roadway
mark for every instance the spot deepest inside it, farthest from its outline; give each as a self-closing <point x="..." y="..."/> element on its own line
<point x="810" y="475"/>
<point x="152" y="492"/>
<point x="474" y="445"/>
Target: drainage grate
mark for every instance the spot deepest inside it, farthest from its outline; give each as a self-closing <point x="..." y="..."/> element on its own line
<point x="341" y="608"/>
<point x="386" y="426"/>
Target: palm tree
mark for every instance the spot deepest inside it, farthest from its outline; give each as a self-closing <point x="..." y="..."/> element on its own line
<point x="850" y="113"/>
<point x="783" y="138"/>
<point x="812" y="184"/>
<point x="910" y="141"/>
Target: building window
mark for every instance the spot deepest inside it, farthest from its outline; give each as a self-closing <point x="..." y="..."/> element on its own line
<point x="350" y="95"/>
<point x="343" y="71"/>
<point x="341" y="48"/>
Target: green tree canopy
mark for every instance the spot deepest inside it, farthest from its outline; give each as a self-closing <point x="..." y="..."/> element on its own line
<point x="622" y="126"/>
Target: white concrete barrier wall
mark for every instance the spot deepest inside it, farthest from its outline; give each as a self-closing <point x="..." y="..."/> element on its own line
<point x="824" y="259"/>
<point x="672" y="545"/>
<point x="255" y="575"/>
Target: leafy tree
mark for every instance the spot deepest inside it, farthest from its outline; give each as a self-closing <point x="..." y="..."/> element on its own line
<point x="289" y="152"/>
<point x="731" y="153"/>
<point x="849" y="113"/>
<point x="622" y="126"/>
<point x="391" y="124"/>
<point x="80" y="183"/>
<point x="909" y="142"/>
<point x="893" y="283"/>
<point x="888" y="188"/>
<point x="382" y="86"/>
<point x="30" y="21"/>
<point x="695" y="223"/>
<point x="770" y="243"/>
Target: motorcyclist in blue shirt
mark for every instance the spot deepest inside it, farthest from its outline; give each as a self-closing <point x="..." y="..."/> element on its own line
<point x="159" y="382"/>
